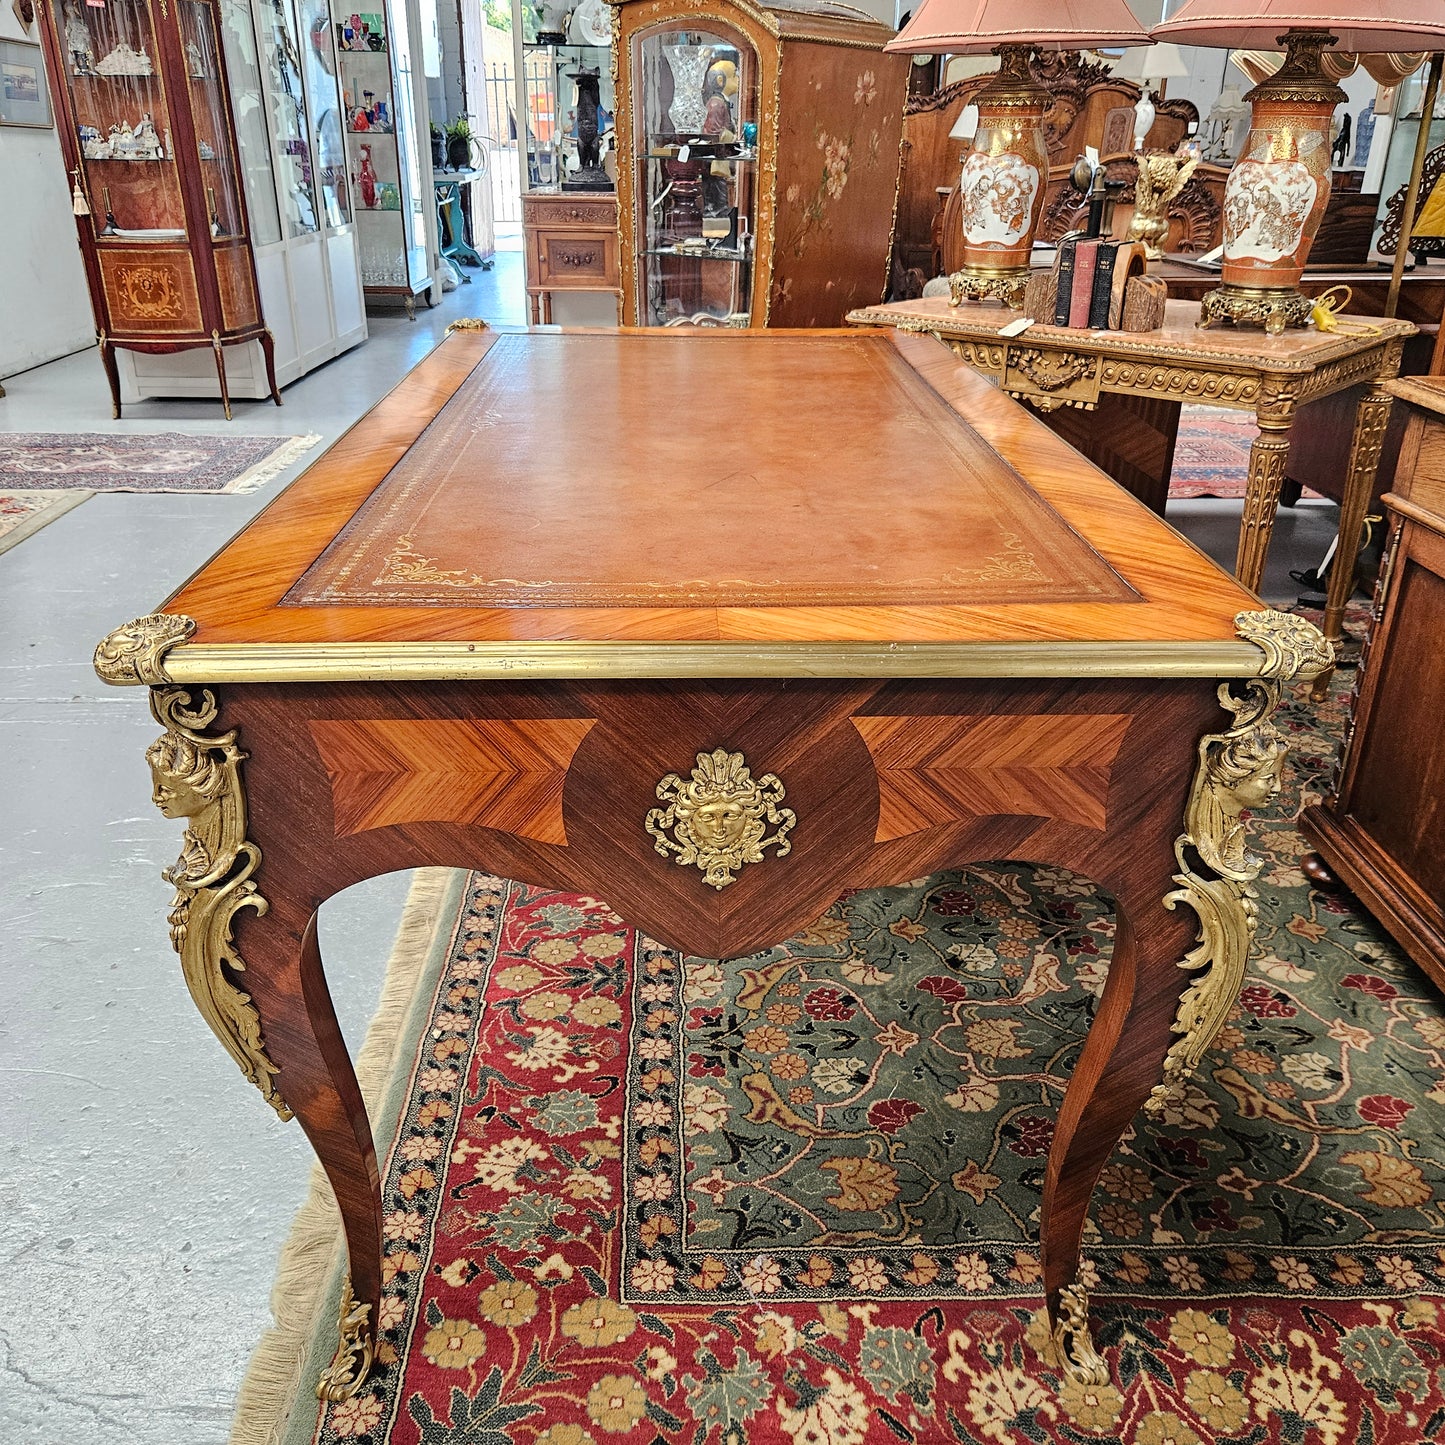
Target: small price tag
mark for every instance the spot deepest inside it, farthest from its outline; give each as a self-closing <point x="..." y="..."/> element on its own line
<point x="1016" y="328"/>
<point x="683" y="152"/>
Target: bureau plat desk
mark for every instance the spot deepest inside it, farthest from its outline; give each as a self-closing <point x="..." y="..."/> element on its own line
<point x="712" y="625"/>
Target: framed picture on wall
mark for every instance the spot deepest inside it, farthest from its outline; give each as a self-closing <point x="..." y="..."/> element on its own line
<point x="24" y="99"/>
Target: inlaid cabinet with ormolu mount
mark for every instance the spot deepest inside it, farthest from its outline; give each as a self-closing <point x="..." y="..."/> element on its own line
<point x="758" y="160"/>
<point x="146" y="130"/>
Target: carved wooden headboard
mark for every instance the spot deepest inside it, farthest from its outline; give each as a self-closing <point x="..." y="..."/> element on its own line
<point x="1089" y="106"/>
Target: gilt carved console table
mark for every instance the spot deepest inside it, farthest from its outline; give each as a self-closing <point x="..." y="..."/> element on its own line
<point x="1116" y="394"/>
<point x="716" y="685"/>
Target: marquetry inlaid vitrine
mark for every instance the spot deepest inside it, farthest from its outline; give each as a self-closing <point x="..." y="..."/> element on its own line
<point x="146" y="129"/>
<point x="758" y="160"/>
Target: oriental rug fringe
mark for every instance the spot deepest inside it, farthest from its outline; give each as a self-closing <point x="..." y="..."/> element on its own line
<point x="23" y="514"/>
<point x="631" y="1197"/>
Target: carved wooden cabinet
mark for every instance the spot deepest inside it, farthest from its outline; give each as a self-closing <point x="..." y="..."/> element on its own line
<point x="1381" y="833"/>
<point x="146" y="129"/>
<point x="758" y="160"/>
<point x="571" y="245"/>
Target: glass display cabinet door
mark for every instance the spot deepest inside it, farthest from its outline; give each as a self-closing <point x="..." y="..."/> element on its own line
<point x="695" y="152"/>
<point x="205" y="75"/>
<point x="374" y="58"/>
<point x="248" y="109"/>
<point x="323" y="89"/>
<point x="413" y="203"/>
<point x="123" y="120"/>
<point x="290" y="129"/>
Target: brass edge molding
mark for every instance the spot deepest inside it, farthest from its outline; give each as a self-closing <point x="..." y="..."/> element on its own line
<point x="355" y="1350"/>
<point x="136" y="652"/>
<point x="458" y="661"/>
<point x="718" y="817"/>
<point x="196" y="776"/>
<point x="1073" y="1344"/>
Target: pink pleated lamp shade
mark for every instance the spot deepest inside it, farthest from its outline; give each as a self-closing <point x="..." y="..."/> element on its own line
<point x="975" y="27"/>
<point x="1368" y="26"/>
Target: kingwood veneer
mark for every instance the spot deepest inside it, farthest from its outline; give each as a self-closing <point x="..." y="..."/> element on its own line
<point x="850" y="639"/>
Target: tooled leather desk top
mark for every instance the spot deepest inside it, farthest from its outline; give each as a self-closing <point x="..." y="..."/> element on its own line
<point x="676" y="487"/>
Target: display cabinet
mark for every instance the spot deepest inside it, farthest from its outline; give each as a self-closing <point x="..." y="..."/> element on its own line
<point x="760" y="160"/>
<point x="381" y="103"/>
<point x="146" y="129"/>
<point x="569" y="201"/>
<point x="286" y="101"/>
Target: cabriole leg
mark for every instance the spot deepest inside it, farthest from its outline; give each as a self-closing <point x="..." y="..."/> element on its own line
<point x="281" y="1029"/>
<point x="221" y="372"/>
<point x="112" y="373"/>
<point x="1147" y="1040"/>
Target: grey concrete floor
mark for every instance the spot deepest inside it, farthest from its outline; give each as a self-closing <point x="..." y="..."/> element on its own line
<point x="146" y="1189"/>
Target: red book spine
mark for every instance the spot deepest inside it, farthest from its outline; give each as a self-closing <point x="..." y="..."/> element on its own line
<point x="1081" y="295"/>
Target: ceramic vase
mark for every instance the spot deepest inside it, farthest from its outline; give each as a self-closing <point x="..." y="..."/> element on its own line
<point x="366" y="180"/>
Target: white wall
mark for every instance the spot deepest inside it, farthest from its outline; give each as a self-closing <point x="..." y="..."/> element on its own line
<point x="44" y="304"/>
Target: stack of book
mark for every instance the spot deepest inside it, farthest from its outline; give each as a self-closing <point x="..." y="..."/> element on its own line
<point x="1093" y="275"/>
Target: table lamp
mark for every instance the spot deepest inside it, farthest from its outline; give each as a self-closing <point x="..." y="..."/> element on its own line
<point x="1147" y="66"/>
<point x="1278" y="189"/>
<point x="1005" y="174"/>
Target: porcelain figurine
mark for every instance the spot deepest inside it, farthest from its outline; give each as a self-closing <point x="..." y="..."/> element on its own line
<point x="146" y="142"/>
<point x="77" y="42"/>
<point x="195" y="61"/>
<point x="122" y="60"/>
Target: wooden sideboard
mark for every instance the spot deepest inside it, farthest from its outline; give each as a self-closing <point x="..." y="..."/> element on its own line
<point x="1380" y="834"/>
<point x="570" y="241"/>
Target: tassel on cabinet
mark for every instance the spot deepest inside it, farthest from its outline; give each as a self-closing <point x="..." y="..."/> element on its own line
<point x="78" y="203"/>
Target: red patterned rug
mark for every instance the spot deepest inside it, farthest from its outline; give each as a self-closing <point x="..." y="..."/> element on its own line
<point x="1211" y="455"/>
<point x="637" y="1198"/>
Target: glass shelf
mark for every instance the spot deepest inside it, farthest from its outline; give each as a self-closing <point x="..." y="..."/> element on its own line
<point x="733" y="258"/>
<point x="701" y="152"/>
<point x="697" y="91"/>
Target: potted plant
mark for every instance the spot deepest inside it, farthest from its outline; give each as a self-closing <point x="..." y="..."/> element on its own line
<point x="438" y="146"/>
<point x="459" y="144"/>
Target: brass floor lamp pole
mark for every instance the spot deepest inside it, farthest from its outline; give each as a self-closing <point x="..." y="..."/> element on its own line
<point x="1412" y="190"/>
